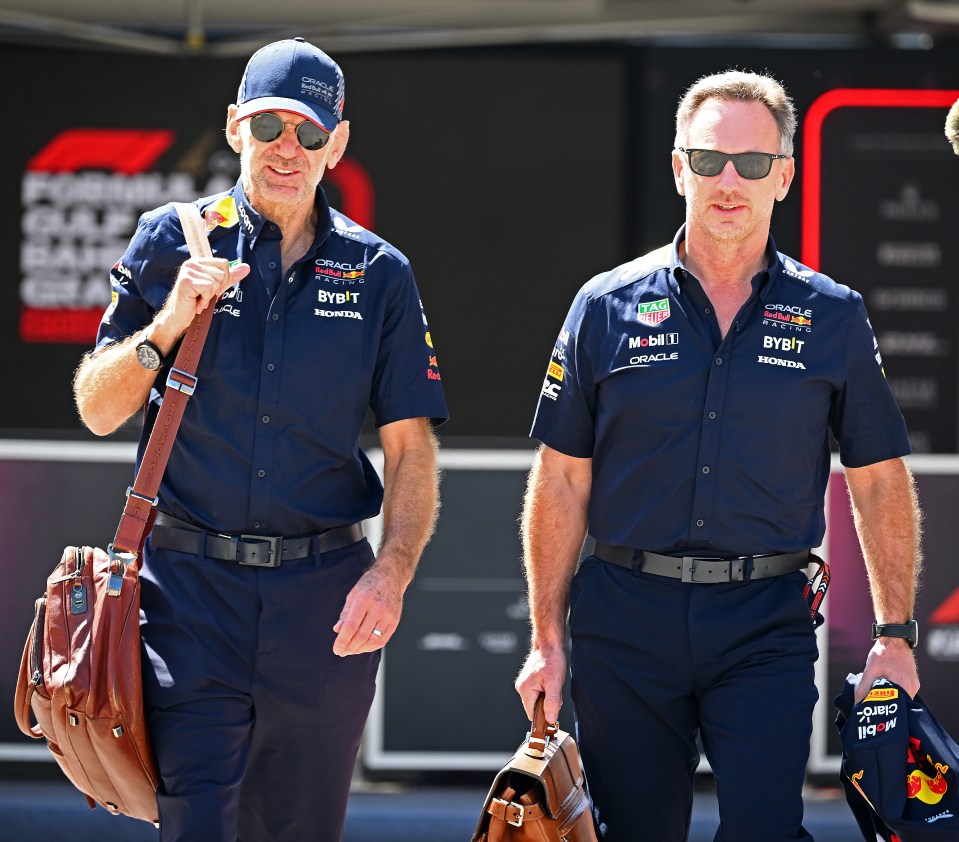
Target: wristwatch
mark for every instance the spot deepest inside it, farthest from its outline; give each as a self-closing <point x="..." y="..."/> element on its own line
<point x="907" y="631"/>
<point x="149" y="356"/>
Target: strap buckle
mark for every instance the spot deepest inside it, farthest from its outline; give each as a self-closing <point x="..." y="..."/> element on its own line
<point x="119" y="561"/>
<point x="182" y="381"/>
<point x="517" y="820"/>
<point x="252" y="552"/>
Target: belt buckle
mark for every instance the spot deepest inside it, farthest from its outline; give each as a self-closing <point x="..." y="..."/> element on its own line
<point x="274" y="557"/>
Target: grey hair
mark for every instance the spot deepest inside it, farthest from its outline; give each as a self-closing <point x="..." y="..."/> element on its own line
<point x="952" y="126"/>
<point x="738" y="85"/>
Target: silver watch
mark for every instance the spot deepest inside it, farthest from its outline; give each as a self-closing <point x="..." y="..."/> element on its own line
<point x="149" y="356"/>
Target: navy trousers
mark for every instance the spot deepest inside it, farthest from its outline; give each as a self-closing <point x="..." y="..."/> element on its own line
<point x="656" y="663"/>
<point x="255" y="722"/>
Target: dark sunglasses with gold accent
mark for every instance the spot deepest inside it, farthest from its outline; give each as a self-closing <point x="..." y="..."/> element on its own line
<point x="709" y="162"/>
<point x="267" y="127"/>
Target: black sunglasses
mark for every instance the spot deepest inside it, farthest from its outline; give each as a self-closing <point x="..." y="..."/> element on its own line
<point x="709" y="162"/>
<point x="267" y="127"/>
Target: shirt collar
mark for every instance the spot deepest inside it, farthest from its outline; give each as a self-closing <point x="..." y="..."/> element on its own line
<point x="678" y="273"/>
<point x="252" y="222"/>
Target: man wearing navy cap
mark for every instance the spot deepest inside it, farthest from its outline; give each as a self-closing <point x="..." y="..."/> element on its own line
<point x="264" y="610"/>
<point x="685" y="420"/>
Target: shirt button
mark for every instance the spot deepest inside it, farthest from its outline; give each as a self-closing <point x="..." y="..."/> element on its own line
<point x="707" y="311"/>
<point x="700" y="522"/>
<point x="261" y="473"/>
<point x="719" y="360"/>
<point x="272" y="264"/>
<point x="266" y="419"/>
<point x="276" y="317"/>
<point x="257" y="524"/>
<point x="705" y="469"/>
<point x="712" y="416"/>
<point x="270" y="367"/>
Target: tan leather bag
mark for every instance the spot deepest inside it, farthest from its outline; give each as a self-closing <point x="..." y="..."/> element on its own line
<point x="80" y="675"/>
<point x="540" y="795"/>
<point x="80" y="672"/>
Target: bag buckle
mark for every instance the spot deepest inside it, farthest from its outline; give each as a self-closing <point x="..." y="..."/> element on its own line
<point x="254" y="548"/>
<point x="517" y="821"/>
<point x="119" y="561"/>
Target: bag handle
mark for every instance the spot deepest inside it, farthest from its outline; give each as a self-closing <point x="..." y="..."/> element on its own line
<point x="140" y="508"/>
<point x="541" y="733"/>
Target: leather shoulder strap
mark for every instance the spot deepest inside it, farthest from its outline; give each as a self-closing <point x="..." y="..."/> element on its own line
<point x="140" y="508"/>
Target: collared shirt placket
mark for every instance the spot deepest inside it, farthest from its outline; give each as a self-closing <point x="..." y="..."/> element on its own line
<point x="262" y="467"/>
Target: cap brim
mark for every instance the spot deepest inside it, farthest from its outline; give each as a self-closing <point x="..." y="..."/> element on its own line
<point x="323" y="119"/>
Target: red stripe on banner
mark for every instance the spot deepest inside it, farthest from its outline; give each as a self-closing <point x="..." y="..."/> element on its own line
<point x="812" y="146"/>
<point x="125" y="151"/>
<point x="356" y="191"/>
<point x="948" y="612"/>
<point x="67" y="325"/>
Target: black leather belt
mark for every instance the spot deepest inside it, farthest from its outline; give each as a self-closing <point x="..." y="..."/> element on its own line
<point x="703" y="570"/>
<point x="171" y="533"/>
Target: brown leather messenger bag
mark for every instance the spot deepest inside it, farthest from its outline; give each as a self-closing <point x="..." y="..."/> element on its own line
<point x="80" y="672"/>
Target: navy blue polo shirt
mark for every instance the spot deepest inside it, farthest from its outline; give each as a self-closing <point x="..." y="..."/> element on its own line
<point x="707" y="444"/>
<point x="270" y="441"/>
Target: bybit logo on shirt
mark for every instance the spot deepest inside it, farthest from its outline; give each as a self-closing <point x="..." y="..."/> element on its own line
<point x="784" y="343"/>
<point x="325" y="297"/>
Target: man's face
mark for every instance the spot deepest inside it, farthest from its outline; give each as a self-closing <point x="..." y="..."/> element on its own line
<point x="281" y="173"/>
<point x="727" y="208"/>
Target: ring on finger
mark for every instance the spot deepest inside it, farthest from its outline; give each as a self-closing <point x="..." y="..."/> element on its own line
<point x="378" y="632"/>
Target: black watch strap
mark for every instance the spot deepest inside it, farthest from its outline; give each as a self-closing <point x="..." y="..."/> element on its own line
<point x="907" y="631"/>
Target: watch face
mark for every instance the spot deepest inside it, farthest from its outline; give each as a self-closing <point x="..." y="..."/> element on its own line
<point x="148" y="357"/>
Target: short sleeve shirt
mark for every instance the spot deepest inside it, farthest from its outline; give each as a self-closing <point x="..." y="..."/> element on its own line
<point x="711" y="444"/>
<point x="270" y="441"/>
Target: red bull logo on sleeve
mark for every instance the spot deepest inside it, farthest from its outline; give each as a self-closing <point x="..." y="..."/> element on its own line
<point x="920" y="784"/>
<point x="222" y="214"/>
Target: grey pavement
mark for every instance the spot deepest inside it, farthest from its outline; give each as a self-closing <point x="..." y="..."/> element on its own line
<point x="55" y="812"/>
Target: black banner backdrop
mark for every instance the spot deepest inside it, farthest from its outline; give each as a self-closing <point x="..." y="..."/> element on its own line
<point x="876" y="156"/>
<point x="496" y="171"/>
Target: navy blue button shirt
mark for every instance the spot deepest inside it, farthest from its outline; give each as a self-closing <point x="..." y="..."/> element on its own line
<point x="715" y="445"/>
<point x="270" y="441"/>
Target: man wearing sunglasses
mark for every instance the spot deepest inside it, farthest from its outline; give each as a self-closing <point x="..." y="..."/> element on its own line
<point x="264" y="610"/>
<point x="685" y="421"/>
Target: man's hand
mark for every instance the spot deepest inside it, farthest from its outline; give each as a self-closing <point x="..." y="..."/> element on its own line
<point x="375" y="602"/>
<point x="889" y="658"/>
<point x="544" y="672"/>
<point x="200" y="282"/>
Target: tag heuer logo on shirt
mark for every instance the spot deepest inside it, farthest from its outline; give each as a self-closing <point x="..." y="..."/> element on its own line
<point x="653" y="313"/>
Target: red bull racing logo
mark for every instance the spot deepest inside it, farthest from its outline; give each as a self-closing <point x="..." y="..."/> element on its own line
<point x="787" y="317"/>
<point x="222" y="214"/>
<point x="920" y="783"/>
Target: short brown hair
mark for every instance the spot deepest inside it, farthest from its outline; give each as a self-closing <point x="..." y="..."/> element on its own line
<point x="739" y="85"/>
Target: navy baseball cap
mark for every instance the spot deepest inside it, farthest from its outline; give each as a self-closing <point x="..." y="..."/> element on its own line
<point x="899" y="766"/>
<point x="293" y="75"/>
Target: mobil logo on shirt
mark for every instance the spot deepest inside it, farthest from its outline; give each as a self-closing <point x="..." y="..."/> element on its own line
<point x="655" y="340"/>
